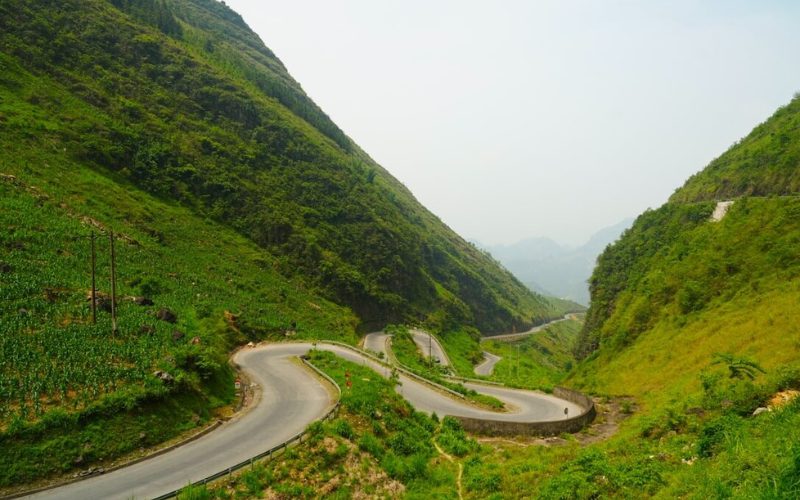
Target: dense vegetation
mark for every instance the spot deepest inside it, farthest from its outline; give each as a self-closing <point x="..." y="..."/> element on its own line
<point x="698" y="320"/>
<point x="179" y="98"/>
<point x="765" y="163"/>
<point x="239" y="207"/>
<point x="73" y="393"/>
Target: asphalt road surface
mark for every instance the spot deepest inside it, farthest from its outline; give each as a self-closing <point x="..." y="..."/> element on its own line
<point x="291" y="398"/>
<point x="487" y="367"/>
<point x="535" y="329"/>
<point x="524" y="406"/>
<point x="430" y="347"/>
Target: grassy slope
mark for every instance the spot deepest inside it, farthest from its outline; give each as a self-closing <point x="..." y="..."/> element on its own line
<point x="205" y="115"/>
<point x="194" y="144"/>
<point x="676" y="290"/>
<point x="764" y="163"/>
<point x="196" y="268"/>
<point x="377" y="446"/>
<point x="538" y="361"/>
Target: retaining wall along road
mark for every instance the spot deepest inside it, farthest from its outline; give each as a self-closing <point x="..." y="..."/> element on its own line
<point x="551" y="428"/>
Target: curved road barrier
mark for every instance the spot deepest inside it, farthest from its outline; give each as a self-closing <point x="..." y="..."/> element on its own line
<point x="291" y="398"/>
<point x="574" y="416"/>
<point x="539" y="428"/>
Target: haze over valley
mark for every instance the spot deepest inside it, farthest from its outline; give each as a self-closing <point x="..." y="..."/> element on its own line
<point x="218" y="283"/>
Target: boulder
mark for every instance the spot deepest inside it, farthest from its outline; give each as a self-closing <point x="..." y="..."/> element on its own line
<point x="164" y="314"/>
<point x="195" y="340"/>
<point x="164" y="376"/>
<point x="760" y="410"/>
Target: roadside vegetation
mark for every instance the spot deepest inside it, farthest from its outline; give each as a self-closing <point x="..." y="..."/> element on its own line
<point x="408" y="354"/>
<point x="178" y="98"/>
<point x="241" y="212"/>
<point x="377" y="446"/>
<point x="538" y="361"/>
<point x="74" y="395"/>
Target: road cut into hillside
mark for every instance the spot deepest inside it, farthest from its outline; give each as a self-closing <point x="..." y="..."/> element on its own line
<point x="291" y="398"/>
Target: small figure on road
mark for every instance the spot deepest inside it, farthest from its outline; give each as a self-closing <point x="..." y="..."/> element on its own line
<point x="566" y="411"/>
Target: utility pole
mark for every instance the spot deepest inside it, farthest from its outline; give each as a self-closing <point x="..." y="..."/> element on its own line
<point x="113" y="285"/>
<point x="430" y="348"/>
<point x="94" y="282"/>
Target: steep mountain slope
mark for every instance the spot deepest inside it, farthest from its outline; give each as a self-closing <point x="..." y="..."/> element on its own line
<point x="765" y="163"/>
<point x="181" y="99"/>
<point x="241" y="211"/>
<point x="699" y="321"/>
<point x="551" y="269"/>
<point x="676" y="268"/>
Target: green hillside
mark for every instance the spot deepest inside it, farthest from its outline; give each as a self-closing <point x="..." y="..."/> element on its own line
<point x="180" y="99"/>
<point x="237" y="204"/>
<point x="699" y="321"/>
<point x="765" y="163"/>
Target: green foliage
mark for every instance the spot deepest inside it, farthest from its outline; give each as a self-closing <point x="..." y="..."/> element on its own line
<point x="195" y="493"/>
<point x="452" y="438"/>
<point x="538" y="361"/>
<point x="408" y="354"/>
<point x="740" y="368"/>
<point x="762" y="164"/>
<point x="374" y="419"/>
<point x="180" y="99"/>
<point x="54" y="362"/>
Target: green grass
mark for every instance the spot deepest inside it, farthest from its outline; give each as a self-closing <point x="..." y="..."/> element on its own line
<point x="731" y="286"/>
<point x="409" y="355"/>
<point x="55" y="361"/>
<point x="376" y="446"/>
<point x="180" y="99"/>
<point x="538" y="361"/>
<point x="762" y="164"/>
<point x="674" y="452"/>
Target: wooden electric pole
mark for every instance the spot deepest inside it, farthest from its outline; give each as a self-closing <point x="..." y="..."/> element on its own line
<point x="94" y="282"/>
<point x="113" y="285"/>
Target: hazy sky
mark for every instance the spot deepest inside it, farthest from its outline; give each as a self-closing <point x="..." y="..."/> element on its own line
<point x="510" y="119"/>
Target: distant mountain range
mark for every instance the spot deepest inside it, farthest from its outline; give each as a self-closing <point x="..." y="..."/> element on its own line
<point x="552" y="269"/>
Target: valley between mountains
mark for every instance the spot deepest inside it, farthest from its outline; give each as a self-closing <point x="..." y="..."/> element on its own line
<point x="169" y="195"/>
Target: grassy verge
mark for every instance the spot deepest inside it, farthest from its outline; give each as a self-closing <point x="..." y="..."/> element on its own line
<point x="407" y="353"/>
<point x="378" y="446"/>
<point x="705" y="447"/>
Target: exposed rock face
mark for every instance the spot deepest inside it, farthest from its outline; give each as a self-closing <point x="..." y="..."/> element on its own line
<point x="164" y="376"/>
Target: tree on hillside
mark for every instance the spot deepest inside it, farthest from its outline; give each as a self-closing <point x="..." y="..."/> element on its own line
<point x="739" y="368"/>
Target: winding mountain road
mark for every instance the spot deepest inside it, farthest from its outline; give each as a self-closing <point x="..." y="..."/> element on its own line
<point x="487" y="367"/>
<point x="291" y="398"/>
<point x="430" y="347"/>
<point x="489" y="359"/>
<point x="535" y="329"/>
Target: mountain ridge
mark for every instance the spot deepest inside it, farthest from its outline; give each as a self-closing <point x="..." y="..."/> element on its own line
<point x="254" y="152"/>
<point x="550" y="268"/>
